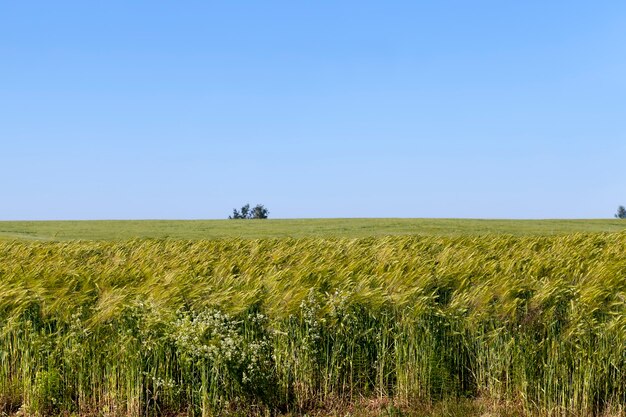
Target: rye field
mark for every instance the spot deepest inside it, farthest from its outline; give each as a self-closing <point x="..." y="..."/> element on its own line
<point x="296" y="228"/>
<point x="525" y="319"/>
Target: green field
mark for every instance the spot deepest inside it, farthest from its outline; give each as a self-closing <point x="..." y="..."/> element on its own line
<point x="316" y="317"/>
<point x="491" y="325"/>
<point x="212" y="229"/>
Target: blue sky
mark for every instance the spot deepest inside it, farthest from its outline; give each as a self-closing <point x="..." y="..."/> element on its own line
<point x="186" y="109"/>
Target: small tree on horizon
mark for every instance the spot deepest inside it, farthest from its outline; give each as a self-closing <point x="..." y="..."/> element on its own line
<point x="257" y="212"/>
<point x="621" y="213"/>
<point x="243" y="214"/>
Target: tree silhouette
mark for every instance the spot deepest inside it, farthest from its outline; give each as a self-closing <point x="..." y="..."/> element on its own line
<point x="257" y="212"/>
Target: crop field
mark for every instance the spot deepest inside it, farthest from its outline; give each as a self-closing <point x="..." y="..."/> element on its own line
<point x="297" y="228"/>
<point x="510" y="325"/>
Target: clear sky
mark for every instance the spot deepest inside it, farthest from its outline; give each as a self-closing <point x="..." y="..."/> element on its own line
<point x="187" y="109"/>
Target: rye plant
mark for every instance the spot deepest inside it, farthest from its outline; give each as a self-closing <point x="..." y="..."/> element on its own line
<point x="260" y="327"/>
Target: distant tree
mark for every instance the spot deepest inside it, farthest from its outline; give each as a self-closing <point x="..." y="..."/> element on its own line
<point x="243" y="214"/>
<point x="621" y="213"/>
<point x="257" y="212"/>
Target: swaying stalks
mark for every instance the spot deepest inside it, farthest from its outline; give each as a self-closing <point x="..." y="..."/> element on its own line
<point x="154" y="327"/>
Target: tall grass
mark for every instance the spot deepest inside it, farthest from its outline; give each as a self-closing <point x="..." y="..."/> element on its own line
<point x="153" y="327"/>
